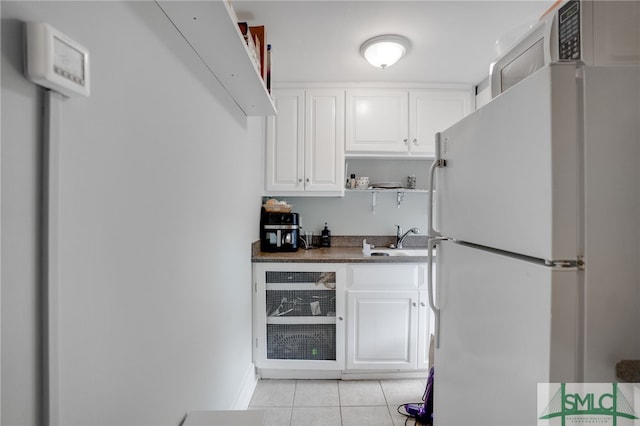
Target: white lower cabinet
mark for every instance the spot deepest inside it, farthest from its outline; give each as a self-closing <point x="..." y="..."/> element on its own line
<point x="387" y="317"/>
<point x="425" y="328"/>
<point x="299" y="316"/>
<point x="382" y="330"/>
<point x="342" y="317"/>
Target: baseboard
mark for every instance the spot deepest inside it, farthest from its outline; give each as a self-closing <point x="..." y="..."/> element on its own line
<point x="381" y="375"/>
<point x="342" y="375"/>
<point x="298" y="374"/>
<point x="243" y="398"/>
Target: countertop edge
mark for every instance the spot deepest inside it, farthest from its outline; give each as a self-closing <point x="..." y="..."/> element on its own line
<point x="338" y="254"/>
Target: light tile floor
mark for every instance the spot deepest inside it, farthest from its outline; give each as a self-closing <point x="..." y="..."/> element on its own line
<point x="336" y="402"/>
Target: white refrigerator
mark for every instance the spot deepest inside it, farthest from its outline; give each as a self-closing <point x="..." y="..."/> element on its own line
<point x="537" y="231"/>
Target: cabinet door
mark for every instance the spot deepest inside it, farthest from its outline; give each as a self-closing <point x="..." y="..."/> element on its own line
<point x="324" y="140"/>
<point x="382" y="330"/>
<point x="432" y="111"/>
<point x="285" y="138"/>
<point x="424" y="331"/>
<point x="299" y="316"/>
<point x="425" y="319"/>
<point x="377" y="121"/>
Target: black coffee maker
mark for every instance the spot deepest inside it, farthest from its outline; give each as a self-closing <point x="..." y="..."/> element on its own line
<point x="279" y="231"/>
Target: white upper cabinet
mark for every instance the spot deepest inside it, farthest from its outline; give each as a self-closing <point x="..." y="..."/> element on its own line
<point x="401" y="122"/>
<point x="377" y="120"/>
<point x="432" y="111"/>
<point x="305" y="143"/>
<point x="285" y="143"/>
<point x="324" y="140"/>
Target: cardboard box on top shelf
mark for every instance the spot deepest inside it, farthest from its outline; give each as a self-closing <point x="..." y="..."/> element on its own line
<point x="261" y="47"/>
<point x="250" y="40"/>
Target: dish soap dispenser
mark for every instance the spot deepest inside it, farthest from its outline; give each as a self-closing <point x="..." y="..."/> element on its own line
<point x="325" y="239"/>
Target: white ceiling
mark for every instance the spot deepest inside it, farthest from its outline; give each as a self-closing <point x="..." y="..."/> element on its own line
<point x="453" y="41"/>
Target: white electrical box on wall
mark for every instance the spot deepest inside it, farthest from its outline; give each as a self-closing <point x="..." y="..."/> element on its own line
<point x="55" y="61"/>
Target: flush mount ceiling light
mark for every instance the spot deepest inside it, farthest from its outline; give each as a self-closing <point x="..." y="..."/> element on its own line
<point x="385" y="50"/>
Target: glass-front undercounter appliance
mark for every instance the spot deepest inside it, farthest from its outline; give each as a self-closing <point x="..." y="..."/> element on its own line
<point x="299" y="315"/>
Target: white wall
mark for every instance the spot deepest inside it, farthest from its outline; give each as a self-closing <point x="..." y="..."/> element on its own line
<point x="353" y="213"/>
<point x="160" y="183"/>
<point x="20" y="205"/>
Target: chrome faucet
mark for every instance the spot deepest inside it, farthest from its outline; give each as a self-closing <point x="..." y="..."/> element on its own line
<point x="307" y="239"/>
<point x="400" y="236"/>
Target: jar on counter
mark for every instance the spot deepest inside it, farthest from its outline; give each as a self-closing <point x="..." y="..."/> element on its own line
<point x="352" y="181"/>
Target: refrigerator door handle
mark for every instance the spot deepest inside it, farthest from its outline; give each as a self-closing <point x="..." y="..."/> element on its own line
<point x="437" y="162"/>
<point x="434" y="237"/>
<point x="432" y="242"/>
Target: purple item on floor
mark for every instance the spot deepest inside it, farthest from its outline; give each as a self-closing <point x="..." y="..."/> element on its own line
<point x="423" y="412"/>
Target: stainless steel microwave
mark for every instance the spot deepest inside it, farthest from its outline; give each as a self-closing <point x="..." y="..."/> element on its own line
<point x="596" y="32"/>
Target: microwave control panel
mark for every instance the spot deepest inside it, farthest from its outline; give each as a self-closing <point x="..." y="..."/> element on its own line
<point x="569" y="31"/>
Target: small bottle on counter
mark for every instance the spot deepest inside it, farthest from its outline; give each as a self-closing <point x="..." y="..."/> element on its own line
<point x="325" y="239"/>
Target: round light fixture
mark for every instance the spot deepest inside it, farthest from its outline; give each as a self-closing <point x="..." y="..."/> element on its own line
<point x="385" y="50"/>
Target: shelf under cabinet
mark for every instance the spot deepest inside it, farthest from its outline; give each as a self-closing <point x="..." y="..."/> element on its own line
<point x="387" y="156"/>
<point x="300" y="287"/>
<point x="420" y="191"/>
<point x="400" y="193"/>
<point x="301" y="320"/>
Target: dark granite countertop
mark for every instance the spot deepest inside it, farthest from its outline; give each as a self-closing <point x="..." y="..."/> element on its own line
<point x="344" y="249"/>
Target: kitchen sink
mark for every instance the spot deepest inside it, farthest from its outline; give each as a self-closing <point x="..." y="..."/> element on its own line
<point x="401" y="252"/>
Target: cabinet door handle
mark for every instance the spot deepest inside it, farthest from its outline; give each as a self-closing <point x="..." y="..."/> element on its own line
<point x="300" y="180"/>
<point x="341" y="318"/>
<point x="415" y="304"/>
<point x="423" y="304"/>
<point x="405" y="141"/>
<point x="307" y="180"/>
<point x="415" y="141"/>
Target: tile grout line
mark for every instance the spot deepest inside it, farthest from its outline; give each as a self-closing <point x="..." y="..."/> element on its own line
<point x="293" y="402"/>
<point x="386" y="401"/>
<point x="339" y="403"/>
